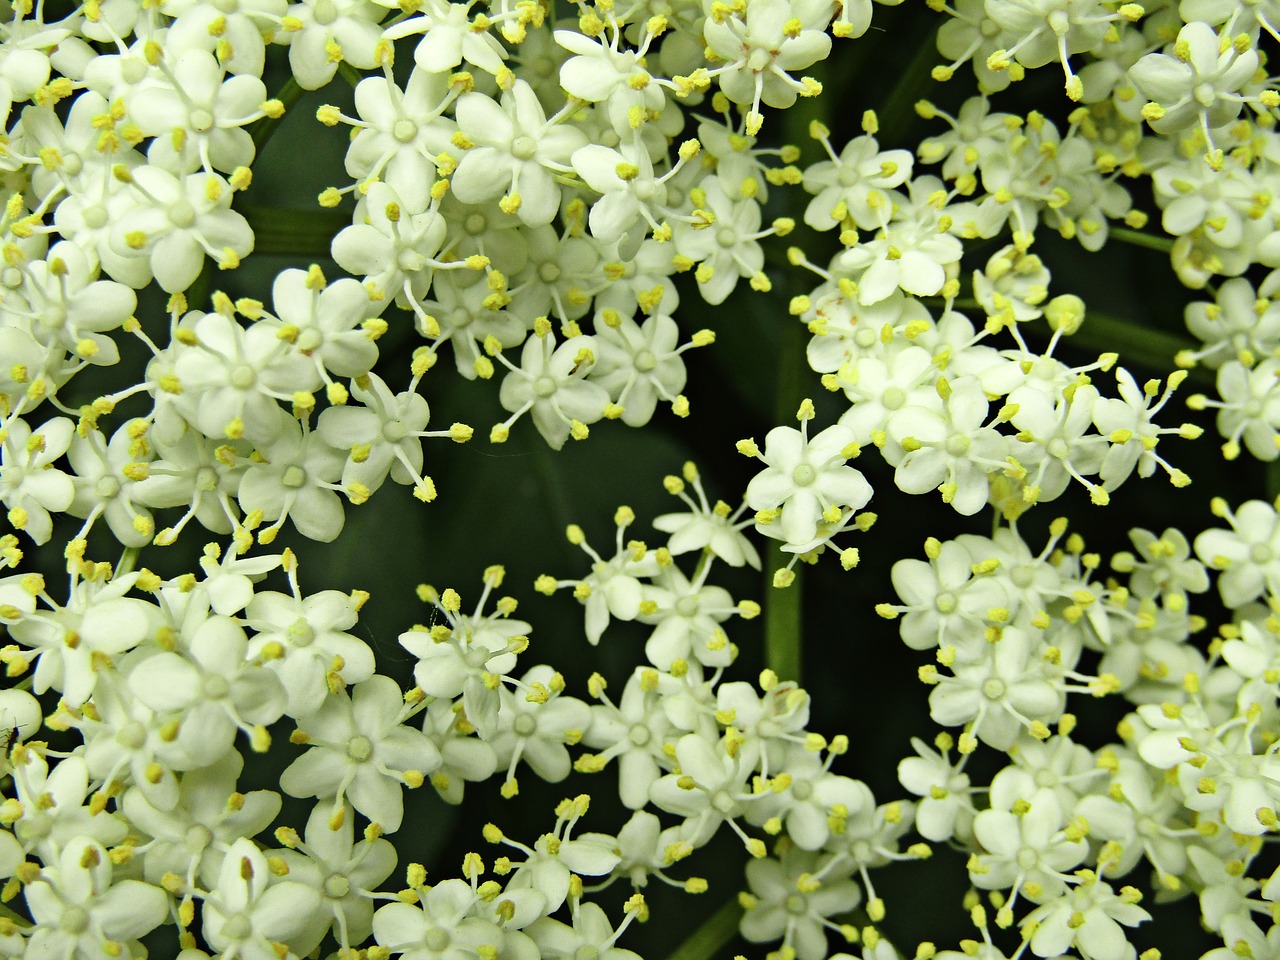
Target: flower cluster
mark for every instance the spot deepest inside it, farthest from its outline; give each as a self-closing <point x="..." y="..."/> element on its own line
<point x="537" y="193"/>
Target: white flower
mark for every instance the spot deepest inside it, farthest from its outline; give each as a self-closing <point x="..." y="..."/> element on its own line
<point x="440" y="926"/>
<point x="783" y="907"/>
<point x="329" y="860"/>
<point x="177" y="222"/>
<point x="534" y="723"/>
<point x="806" y="481"/>
<point x="634" y="732"/>
<point x="517" y="152"/>
<point x="469" y="654"/>
<point x="82" y="913"/>
<point x="842" y="186"/>
<point x="401" y="133"/>
<point x="315" y="27"/>
<point x="591" y="931"/>
<point x="449" y="38"/>
<point x="945" y="809"/>
<point x="551" y="384"/>
<point x="215" y="689"/>
<point x="246" y="912"/>
<point x="55" y="809"/>
<point x="640" y="364"/>
<point x="760" y="50"/>
<point x="1247" y="556"/>
<point x="196" y="114"/>
<point x="1199" y="84"/>
<point x="31" y="487"/>
<point x="1088" y="918"/>
<point x="210" y="815"/>
<point x="362" y="752"/>
<point x="715" y="528"/>
<point x="302" y="638"/>
<point x="71" y="642"/>
<point x="728" y="246"/>
<point x="1028" y="851"/>
<point x="295" y="479"/>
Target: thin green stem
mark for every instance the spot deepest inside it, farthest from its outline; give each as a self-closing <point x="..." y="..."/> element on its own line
<point x="1140" y="239"/>
<point x="128" y="560"/>
<point x="264" y="129"/>
<point x="10" y="914"/>
<point x="350" y="73"/>
<point x="716" y="931"/>
<point x="784" y="606"/>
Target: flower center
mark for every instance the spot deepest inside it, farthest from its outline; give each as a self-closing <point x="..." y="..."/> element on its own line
<point x="243" y="377"/>
<point x="587" y="952"/>
<point x="95" y="217"/>
<point x="958" y="445"/>
<point x="1260" y="553"/>
<point x="549" y="272"/>
<point x="309" y="339"/>
<point x="646" y="361"/>
<point x="801" y="789"/>
<point x="237" y="928"/>
<point x="359" y="749"/>
<point x="436" y="940"/>
<point x="201" y="120"/>
<point x="294" y="476"/>
<point x="336" y="887"/>
<point x="394" y="431"/>
<point x="404" y="130"/>
<point x="198" y="838"/>
<point x="796" y="905"/>
<point x="132" y="736"/>
<point x="75" y="920"/>
<point x="639" y="734"/>
<point x="107" y="487"/>
<point x="804" y="474"/>
<point x="544" y="387"/>
<point x="726" y="237"/>
<point x="723" y="801"/>
<point x="324" y="12"/>
<point x="524" y="147"/>
<point x="1058" y="448"/>
<point x="301" y="633"/>
<point x="945" y="602"/>
<point x="525" y="725"/>
<point x="1027" y="858"/>
<point x="182" y="214"/>
<point x="687" y="606"/>
<point x="993" y="688"/>
<point x="216" y="687"/>
<point x="893" y="398"/>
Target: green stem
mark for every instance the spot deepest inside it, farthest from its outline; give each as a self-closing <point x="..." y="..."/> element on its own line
<point x="1273" y="480"/>
<point x="716" y="931"/>
<point x="128" y="560"/>
<point x="10" y="914"/>
<point x="264" y="129"/>
<point x="784" y="606"/>
<point x="1140" y="239"/>
<point x="306" y="234"/>
<point x="350" y="73"/>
